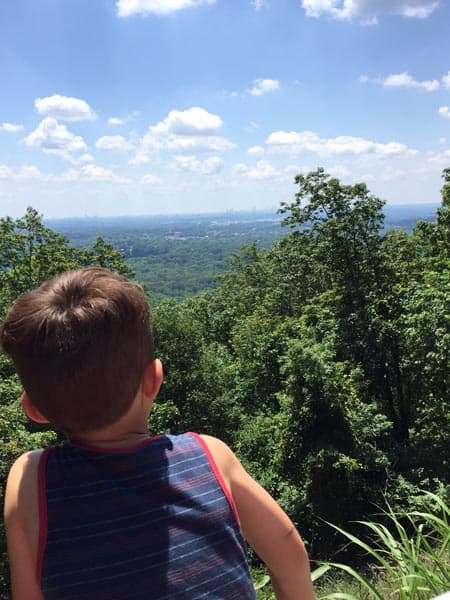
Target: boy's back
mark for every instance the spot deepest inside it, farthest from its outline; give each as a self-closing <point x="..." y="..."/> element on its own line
<point x="148" y="522"/>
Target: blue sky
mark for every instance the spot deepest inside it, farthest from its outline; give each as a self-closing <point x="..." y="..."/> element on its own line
<point x="113" y="107"/>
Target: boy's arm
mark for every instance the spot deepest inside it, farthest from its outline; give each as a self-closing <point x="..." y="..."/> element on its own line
<point x="22" y="526"/>
<point x="267" y="528"/>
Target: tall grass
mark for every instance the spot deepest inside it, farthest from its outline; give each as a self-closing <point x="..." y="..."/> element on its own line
<point x="409" y="558"/>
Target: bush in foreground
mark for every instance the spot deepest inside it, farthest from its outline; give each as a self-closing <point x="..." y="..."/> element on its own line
<point x="410" y="557"/>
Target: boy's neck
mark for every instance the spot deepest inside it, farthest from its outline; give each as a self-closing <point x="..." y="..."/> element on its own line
<point x="108" y="441"/>
<point x="128" y="431"/>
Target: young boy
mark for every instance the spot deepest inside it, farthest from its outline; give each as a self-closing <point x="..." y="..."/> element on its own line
<point x="114" y="514"/>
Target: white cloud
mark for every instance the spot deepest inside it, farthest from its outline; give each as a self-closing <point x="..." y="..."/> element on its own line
<point x="68" y="176"/>
<point x="95" y="173"/>
<point x="84" y="158"/>
<point x="259" y="87"/>
<point x="368" y="11"/>
<point x="339" y="171"/>
<point x="6" y="172"/>
<point x="188" y="131"/>
<point x="149" y="179"/>
<point x="295" y="170"/>
<point x="209" y="166"/>
<point x="309" y="141"/>
<point x="263" y="86"/>
<point x="28" y="172"/>
<point x="317" y="8"/>
<point x="444" y="111"/>
<point x="115" y="121"/>
<point x="262" y="170"/>
<point x="446" y="80"/>
<point x="198" y="144"/>
<point x="11" y="127"/>
<point x="24" y="172"/>
<point x="141" y="158"/>
<point x="79" y="160"/>
<point x="64" y="108"/>
<point x="405" y="80"/>
<point x="53" y="138"/>
<point x="116" y="143"/>
<point x="90" y="173"/>
<point x="441" y="158"/>
<point x="256" y="150"/>
<point x="127" y="8"/>
<point x="258" y="4"/>
<point x="194" y="121"/>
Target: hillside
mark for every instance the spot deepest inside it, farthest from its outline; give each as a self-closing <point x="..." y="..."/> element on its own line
<point x="180" y="255"/>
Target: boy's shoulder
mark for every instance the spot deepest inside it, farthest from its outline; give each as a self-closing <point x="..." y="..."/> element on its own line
<point x="24" y="467"/>
<point x="22" y="524"/>
<point x="221" y="453"/>
<point x="226" y="461"/>
<point x="215" y="445"/>
<point x="21" y="496"/>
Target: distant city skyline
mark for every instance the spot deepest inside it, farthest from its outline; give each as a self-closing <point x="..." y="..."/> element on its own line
<point x="128" y="107"/>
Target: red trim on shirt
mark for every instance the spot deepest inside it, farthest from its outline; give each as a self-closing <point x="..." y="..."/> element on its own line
<point x="218" y="475"/>
<point x="43" y="523"/>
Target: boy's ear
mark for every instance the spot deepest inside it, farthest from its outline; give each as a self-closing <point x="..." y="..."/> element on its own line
<point x="152" y="378"/>
<point x="31" y="411"/>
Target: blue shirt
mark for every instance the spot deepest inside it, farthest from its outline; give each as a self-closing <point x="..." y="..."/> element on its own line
<point x="155" y="521"/>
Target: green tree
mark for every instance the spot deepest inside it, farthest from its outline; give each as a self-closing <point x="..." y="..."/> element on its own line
<point x="31" y="253"/>
<point x="103" y="254"/>
<point x="344" y="224"/>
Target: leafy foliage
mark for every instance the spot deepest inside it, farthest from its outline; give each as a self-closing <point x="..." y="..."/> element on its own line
<point x="323" y="360"/>
<point x="411" y="553"/>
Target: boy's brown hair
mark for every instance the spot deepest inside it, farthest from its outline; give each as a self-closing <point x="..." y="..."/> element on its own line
<point x="80" y="344"/>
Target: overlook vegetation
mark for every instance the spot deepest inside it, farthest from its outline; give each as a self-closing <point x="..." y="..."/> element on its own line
<point x="178" y="256"/>
<point x="323" y="359"/>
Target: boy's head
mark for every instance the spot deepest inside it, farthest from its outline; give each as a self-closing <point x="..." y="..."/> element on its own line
<point x="80" y="344"/>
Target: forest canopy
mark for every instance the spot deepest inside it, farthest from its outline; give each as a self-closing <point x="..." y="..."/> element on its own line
<point x="324" y="360"/>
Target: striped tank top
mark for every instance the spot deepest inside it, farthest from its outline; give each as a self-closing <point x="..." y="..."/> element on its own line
<point x="151" y="522"/>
